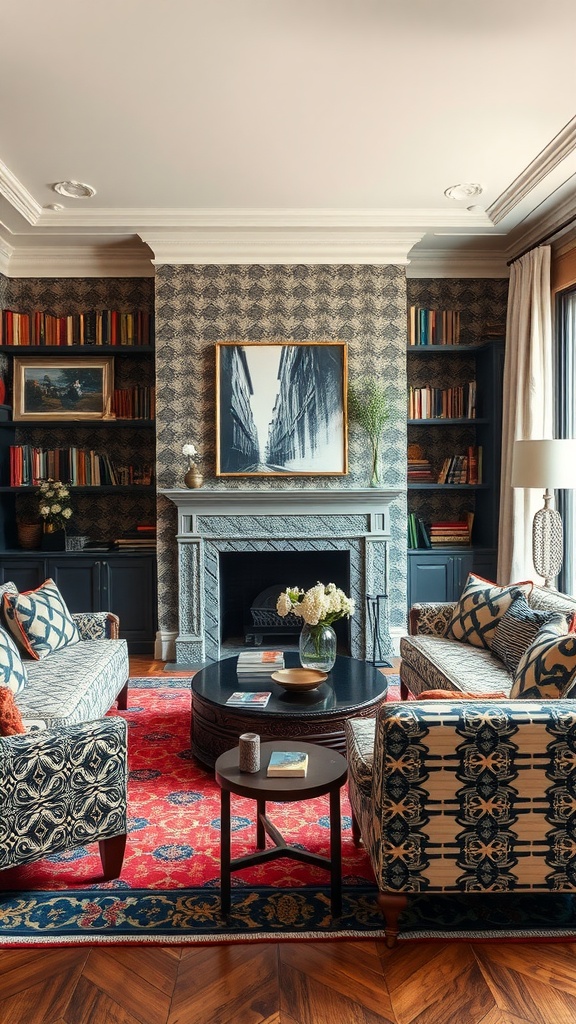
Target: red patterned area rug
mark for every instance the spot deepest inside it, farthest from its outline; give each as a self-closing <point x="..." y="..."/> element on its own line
<point x="169" y="888"/>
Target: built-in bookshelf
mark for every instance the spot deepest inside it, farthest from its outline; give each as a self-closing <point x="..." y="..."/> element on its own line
<point x="108" y="461"/>
<point x="454" y="435"/>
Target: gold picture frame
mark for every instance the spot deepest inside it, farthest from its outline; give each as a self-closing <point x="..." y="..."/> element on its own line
<point x="62" y="388"/>
<point x="281" y="408"/>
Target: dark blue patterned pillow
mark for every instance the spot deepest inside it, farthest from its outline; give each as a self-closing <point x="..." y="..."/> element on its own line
<point x="517" y="629"/>
<point x="548" y="667"/>
<point x="40" y="620"/>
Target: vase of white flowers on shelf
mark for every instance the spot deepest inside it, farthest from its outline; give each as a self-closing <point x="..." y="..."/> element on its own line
<point x="319" y="607"/>
<point x="55" y="510"/>
<point x="193" y="477"/>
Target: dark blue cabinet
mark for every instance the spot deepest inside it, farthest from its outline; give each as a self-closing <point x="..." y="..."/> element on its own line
<point x="122" y="583"/>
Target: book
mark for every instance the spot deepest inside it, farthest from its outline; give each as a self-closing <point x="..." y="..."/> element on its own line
<point x="261" y="658"/>
<point x="285" y="763"/>
<point x="247" y="699"/>
<point x="259" y="664"/>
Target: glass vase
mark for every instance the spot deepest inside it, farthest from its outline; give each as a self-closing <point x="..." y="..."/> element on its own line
<point x="317" y="647"/>
<point x="375" y="467"/>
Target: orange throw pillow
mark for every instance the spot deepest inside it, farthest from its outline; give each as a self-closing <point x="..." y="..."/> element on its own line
<point x="457" y="695"/>
<point x="11" y="723"/>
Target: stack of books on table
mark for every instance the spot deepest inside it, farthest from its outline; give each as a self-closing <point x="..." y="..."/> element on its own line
<point x="256" y="665"/>
<point x="141" y="538"/>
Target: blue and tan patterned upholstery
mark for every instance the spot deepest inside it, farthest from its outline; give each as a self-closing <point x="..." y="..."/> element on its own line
<point x="548" y="667"/>
<point x="431" y="660"/>
<point x="62" y="789"/>
<point x="468" y="796"/>
<point x="480" y="607"/>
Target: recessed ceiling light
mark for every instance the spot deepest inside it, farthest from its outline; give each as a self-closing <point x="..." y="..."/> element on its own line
<point x="74" y="189"/>
<point x="465" y="191"/>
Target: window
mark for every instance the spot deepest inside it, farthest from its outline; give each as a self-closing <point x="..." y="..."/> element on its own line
<point x="566" y="422"/>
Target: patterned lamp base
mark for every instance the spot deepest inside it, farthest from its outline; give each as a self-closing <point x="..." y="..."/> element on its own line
<point x="547" y="542"/>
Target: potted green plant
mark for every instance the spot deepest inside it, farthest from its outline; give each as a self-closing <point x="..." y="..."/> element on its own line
<point x="368" y="406"/>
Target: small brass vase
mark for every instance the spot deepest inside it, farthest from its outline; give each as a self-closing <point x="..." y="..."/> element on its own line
<point x="193" y="478"/>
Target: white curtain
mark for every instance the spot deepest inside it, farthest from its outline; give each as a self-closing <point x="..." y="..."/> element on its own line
<point x="528" y="404"/>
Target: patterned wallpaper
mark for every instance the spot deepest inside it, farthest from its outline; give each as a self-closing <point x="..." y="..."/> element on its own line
<point x="199" y="305"/>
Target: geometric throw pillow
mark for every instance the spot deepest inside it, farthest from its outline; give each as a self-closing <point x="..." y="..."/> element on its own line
<point x="11" y="723"/>
<point x="548" y="667"/>
<point x="40" y="620"/>
<point x="516" y="630"/>
<point x="479" y="609"/>
<point x="13" y="674"/>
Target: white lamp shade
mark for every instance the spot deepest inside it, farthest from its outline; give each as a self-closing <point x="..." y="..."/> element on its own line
<point x="547" y="464"/>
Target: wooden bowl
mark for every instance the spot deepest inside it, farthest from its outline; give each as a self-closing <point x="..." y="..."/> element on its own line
<point x="299" y="678"/>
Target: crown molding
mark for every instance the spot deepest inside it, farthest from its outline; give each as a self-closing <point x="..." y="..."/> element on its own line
<point x="549" y="227"/>
<point x="79" y="261"/>
<point x="430" y="263"/>
<point x="218" y="219"/>
<point x="562" y="146"/>
<point x="6" y="251"/>
<point x="282" y="247"/>
<point x="19" y="197"/>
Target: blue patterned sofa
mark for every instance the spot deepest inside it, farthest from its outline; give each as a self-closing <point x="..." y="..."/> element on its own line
<point x="433" y="661"/>
<point x="78" y="683"/>
<point x="467" y="796"/>
<point x="63" y="781"/>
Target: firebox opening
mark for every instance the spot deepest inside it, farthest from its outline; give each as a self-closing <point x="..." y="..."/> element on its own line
<point x="245" y="574"/>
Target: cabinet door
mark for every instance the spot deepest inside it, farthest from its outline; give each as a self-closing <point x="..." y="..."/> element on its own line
<point x="129" y="590"/>
<point x="429" y="577"/>
<point x="461" y="565"/>
<point x="78" y="580"/>
<point x="26" y="573"/>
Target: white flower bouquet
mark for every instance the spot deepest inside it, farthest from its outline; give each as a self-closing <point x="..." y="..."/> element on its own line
<point x="54" y="504"/>
<point x="192" y="454"/>
<point x="321" y="605"/>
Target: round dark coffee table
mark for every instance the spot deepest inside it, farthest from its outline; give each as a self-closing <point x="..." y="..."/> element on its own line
<point x="327" y="773"/>
<point x="354" y="689"/>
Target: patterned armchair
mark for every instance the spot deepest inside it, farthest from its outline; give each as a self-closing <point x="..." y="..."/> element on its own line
<point x="63" y="788"/>
<point x="465" y="796"/>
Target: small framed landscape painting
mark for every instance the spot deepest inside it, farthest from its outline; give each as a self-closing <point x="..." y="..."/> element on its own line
<point x="63" y="388"/>
<point x="281" y="408"/>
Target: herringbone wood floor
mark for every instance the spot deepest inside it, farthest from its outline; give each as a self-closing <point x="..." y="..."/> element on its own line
<point x="355" y="982"/>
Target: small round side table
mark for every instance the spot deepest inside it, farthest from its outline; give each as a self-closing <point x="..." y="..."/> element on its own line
<point x="327" y="773"/>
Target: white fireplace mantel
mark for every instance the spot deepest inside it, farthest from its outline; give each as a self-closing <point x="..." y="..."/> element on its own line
<point x="269" y="502"/>
<point x="212" y="522"/>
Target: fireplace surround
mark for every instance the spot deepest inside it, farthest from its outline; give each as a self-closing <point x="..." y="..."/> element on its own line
<point x="212" y="523"/>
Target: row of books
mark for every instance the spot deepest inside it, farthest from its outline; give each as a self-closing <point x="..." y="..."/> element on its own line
<point x="427" y="403"/>
<point x="440" y="532"/>
<point x="433" y="326"/>
<point x="134" y="403"/>
<point x="463" y="469"/>
<point x="75" y="466"/>
<point x="95" y="327"/>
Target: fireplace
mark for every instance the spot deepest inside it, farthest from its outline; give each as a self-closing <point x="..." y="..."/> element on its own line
<point x="337" y="536"/>
<point x="246" y="576"/>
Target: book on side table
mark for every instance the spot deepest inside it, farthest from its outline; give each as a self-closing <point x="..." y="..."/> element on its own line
<point x="287" y="763"/>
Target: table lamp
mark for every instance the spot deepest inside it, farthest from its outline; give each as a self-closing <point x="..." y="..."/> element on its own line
<point x="548" y="464"/>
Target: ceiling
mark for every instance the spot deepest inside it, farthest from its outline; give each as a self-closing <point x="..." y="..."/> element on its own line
<point x="284" y="131"/>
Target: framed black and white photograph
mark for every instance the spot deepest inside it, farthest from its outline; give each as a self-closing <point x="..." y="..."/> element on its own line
<point x="63" y="388"/>
<point x="281" y="409"/>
